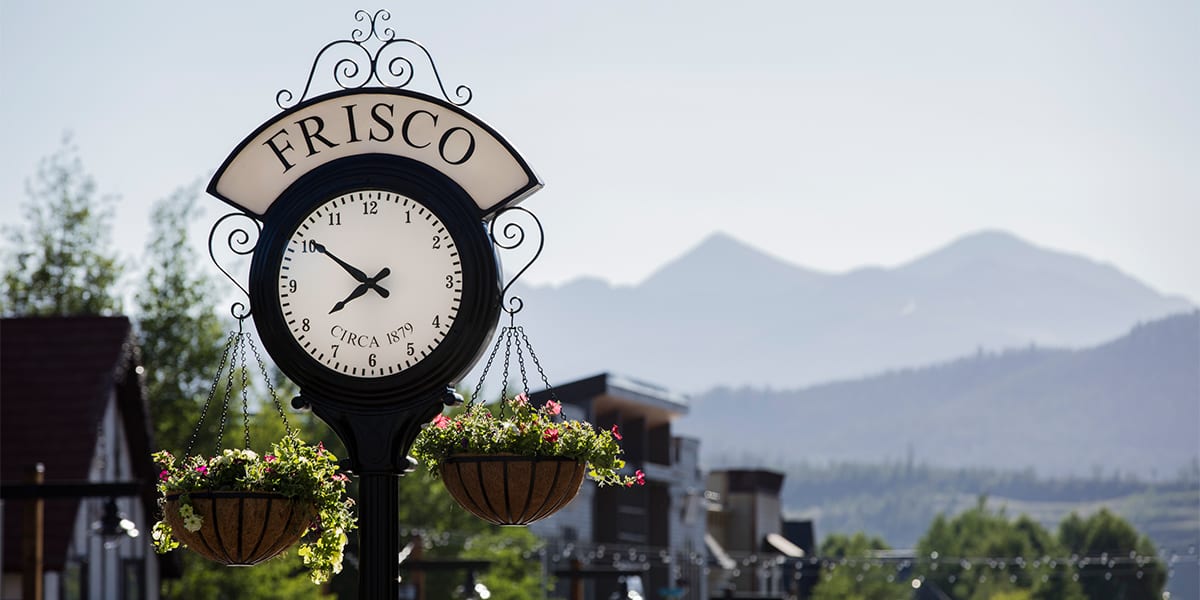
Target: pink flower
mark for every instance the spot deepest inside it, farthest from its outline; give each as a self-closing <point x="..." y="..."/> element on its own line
<point x="441" y="422"/>
<point x="550" y="435"/>
<point x="270" y="458"/>
<point x="340" y="477"/>
<point x="641" y="479"/>
<point x="520" y="400"/>
<point x="165" y="475"/>
<point x="616" y="433"/>
<point x="203" y="470"/>
<point x="553" y="407"/>
<point x="320" y="448"/>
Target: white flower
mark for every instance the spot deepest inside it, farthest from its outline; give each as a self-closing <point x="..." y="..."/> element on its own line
<point x="192" y="522"/>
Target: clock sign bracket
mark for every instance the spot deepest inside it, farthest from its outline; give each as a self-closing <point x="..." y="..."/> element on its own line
<point x="240" y="242"/>
<point x="508" y="233"/>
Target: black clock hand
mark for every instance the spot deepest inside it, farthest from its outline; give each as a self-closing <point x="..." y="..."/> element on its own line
<point x="370" y="283"/>
<point x="358" y="291"/>
<point x="354" y="272"/>
<point x="374" y="282"/>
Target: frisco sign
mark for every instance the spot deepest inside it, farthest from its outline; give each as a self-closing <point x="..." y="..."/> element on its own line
<point x="376" y="121"/>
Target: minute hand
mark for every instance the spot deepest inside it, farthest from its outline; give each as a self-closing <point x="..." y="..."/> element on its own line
<point x="354" y="272"/>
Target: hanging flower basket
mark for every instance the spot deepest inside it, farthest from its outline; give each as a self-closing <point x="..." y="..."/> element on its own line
<point x="239" y="508"/>
<point x="506" y="489"/>
<point x="246" y="528"/>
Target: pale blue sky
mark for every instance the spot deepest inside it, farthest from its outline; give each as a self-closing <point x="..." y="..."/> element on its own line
<point x="830" y="134"/>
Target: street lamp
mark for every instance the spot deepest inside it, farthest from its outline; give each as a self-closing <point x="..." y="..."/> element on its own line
<point x="113" y="526"/>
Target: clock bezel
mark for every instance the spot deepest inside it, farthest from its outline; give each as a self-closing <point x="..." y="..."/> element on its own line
<point x="478" y="311"/>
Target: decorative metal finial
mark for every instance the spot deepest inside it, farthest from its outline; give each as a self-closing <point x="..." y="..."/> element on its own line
<point x="386" y="64"/>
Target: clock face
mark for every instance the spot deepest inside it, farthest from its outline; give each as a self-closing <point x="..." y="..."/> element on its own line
<point x="370" y="283"/>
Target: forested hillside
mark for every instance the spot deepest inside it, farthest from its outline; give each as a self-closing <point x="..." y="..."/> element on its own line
<point x="1131" y="405"/>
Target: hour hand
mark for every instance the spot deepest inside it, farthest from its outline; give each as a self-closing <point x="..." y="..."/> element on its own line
<point x="358" y="291"/>
<point x="371" y="283"/>
<point x="351" y="269"/>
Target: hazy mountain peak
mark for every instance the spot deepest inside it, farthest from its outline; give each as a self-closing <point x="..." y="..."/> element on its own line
<point x="720" y="257"/>
<point x="989" y="245"/>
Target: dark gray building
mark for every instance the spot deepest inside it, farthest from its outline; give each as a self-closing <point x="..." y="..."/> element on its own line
<point x="642" y="541"/>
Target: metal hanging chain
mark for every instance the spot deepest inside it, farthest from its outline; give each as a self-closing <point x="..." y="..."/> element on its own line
<point x="487" y="367"/>
<point x="534" y="359"/>
<point x="507" y="337"/>
<point x="262" y="368"/>
<point x="212" y="392"/>
<point x="245" y="395"/>
<point x="228" y="388"/>
<point x="521" y="366"/>
<point x="504" y="379"/>
<point x="234" y="358"/>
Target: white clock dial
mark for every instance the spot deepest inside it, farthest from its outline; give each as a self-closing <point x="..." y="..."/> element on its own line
<point x="370" y="283"/>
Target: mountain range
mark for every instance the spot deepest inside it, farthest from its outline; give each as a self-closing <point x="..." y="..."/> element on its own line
<point x="727" y="314"/>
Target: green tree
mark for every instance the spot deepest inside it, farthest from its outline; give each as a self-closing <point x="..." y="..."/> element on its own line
<point x="852" y="570"/>
<point x="515" y="573"/>
<point x="1114" y="562"/>
<point x="980" y="554"/>
<point x="180" y="333"/>
<point x="282" y="578"/>
<point x="60" y="263"/>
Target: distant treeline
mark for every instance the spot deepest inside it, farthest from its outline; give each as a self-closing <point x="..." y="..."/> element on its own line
<point x="809" y="483"/>
<point x="898" y="500"/>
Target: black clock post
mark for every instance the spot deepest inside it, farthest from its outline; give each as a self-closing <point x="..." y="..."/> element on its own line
<point x="377" y="441"/>
<point x="374" y="281"/>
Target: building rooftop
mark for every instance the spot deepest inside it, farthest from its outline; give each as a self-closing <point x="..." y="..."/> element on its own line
<point x="56" y="377"/>
<point x="608" y="391"/>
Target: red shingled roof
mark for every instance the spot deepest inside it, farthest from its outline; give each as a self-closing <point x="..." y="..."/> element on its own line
<point x="56" y="376"/>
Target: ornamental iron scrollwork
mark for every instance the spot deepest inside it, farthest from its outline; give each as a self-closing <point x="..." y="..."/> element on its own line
<point x="511" y="236"/>
<point x="385" y="62"/>
<point x="241" y="243"/>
